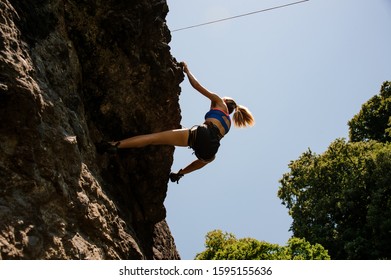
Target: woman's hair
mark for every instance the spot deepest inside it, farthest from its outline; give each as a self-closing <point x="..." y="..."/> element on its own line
<point x="242" y="116"/>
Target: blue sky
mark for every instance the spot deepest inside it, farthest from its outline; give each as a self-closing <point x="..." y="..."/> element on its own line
<point x="304" y="71"/>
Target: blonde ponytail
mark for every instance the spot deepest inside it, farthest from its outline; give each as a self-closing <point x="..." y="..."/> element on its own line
<point x="242" y="117"/>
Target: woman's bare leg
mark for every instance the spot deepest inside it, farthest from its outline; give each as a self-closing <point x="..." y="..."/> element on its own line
<point x="176" y="137"/>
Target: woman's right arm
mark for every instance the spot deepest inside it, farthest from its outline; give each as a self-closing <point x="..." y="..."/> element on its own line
<point x="196" y="85"/>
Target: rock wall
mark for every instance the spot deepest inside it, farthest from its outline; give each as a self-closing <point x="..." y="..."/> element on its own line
<point x="71" y="74"/>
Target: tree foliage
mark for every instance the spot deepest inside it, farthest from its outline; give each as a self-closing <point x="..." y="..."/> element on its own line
<point x="225" y="246"/>
<point x="373" y="122"/>
<point x="342" y="198"/>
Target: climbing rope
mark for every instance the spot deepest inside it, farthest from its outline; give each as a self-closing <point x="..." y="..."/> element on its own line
<point x="238" y="16"/>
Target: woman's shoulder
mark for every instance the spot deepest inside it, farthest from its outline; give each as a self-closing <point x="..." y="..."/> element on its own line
<point x="215" y="99"/>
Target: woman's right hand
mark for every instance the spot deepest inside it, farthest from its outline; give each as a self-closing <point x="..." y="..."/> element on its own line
<point x="184" y="66"/>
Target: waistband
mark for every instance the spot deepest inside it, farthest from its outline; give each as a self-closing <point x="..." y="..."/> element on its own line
<point x="214" y="128"/>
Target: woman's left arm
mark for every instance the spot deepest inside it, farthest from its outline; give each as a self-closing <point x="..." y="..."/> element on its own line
<point x="195" y="165"/>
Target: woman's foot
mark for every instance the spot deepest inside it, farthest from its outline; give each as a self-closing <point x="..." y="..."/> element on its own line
<point x="107" y="147"/>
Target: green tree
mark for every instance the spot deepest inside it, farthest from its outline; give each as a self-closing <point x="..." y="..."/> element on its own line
<point x="225" y="246"/>
<point x="373" y="122"/>
<point x="342" y="199"/>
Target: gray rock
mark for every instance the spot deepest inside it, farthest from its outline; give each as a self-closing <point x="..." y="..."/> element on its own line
<point x="71" y="74"/>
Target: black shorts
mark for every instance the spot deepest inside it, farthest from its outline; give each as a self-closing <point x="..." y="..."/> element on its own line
<point x="205" y="141"/>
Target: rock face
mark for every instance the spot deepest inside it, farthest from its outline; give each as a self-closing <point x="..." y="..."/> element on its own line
<point x="71" y="74"/>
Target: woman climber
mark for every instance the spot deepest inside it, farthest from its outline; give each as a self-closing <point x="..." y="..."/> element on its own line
<point x="204" y="139"/>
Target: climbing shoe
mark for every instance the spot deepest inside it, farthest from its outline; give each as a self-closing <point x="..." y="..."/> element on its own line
<point x="175" y="177"/>
<point x="106" y="147"/>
